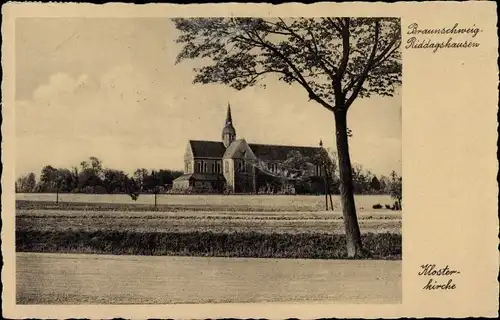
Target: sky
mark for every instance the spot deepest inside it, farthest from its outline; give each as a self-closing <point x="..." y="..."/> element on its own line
<point x="110" y="88"/>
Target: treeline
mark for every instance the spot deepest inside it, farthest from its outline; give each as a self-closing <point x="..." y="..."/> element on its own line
<point x="92" y="177"/>
<point x="364" y="181"/>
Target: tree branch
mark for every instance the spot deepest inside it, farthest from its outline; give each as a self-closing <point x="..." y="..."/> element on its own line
<point x="345" y="51"/>
<point x="377" y="61"/>
<point x="381" y="58"/>
<point x="313" y="39"/>
<point x="367" y="68"/>
<point x="299" y="78"/>
<point x="334" y="25"/>
<point x="314" y="52"/>
<point x="342" y="25"/>
<point x="350" y="85"/>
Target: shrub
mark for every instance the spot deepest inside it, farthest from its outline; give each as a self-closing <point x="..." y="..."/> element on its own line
<point x="134" y="195"/>
<point x="237" y="244"/>
<point x="396" y="206"/>
<point x="395" y="189"/>
<point x="286" y="189"/>
<point x="189" y="190"/>
<point x="94" y="190"/>
<point x="228" y="190"/>
<point x="377" y="206"/>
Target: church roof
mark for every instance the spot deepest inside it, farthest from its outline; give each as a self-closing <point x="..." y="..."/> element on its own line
<point x="234" y="150"/>
<point x="215" y="149"/>
<point x="183" y="177"/>
<point x="276" y="152"/>
<point x="207" y="149"/>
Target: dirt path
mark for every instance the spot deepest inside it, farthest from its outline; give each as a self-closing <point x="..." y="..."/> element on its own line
<point x="101" y="279"/>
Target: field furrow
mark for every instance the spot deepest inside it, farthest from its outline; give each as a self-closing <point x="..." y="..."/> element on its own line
<point x="186" y="224"/>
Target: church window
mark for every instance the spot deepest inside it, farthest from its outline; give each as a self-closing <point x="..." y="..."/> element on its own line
<point x="214" y="167"/>
<point x="219" y="167"/>
<point x="199" y="166"/>
<point x="241" y="166"/>
<point x="273" y="167"/>
<point x="205" y="167"/>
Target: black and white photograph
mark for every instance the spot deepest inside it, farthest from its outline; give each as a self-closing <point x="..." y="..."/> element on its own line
<point x="246" y="161"/>
<point x="204" y="160"/>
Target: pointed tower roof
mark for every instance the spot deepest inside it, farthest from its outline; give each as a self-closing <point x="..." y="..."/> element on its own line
<point x="228" y="125"/>
<point x="229" y="119"/>
<point x="228" y="132"/>
<point x="321" y="142"/>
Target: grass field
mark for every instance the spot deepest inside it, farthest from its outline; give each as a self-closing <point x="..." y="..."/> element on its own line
<point x="58" y="221"/>
<point x="249" y="244"/>
<point x="204" y="202"/>
<point x="200" y="249"/>
<point x="289" y="228"/>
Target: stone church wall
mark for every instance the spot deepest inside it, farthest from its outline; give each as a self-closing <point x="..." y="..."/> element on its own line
<point x="207" y="165"/>
<point x="228" y="170"/>
<point x="244" y="176"/>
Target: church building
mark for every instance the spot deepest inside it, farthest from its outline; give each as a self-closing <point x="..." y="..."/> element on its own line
<point x="235" y="165"/>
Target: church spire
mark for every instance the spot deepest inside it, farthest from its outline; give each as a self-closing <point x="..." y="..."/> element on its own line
<point x="229" y="119"/>
<point x="228" y="133"/>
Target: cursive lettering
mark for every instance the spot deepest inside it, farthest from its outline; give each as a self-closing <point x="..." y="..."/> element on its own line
<point x="448" y="37"/>
<point x="413" y="29"/>
<point x="413" y="43"/>
<point x="434" y="285"/>
<point x="430" y="270"/>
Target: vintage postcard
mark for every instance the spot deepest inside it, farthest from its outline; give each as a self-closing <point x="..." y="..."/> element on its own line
<point x="249" y="160"/>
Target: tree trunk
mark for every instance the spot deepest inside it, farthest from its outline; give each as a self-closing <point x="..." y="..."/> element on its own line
<point x="329" y="190"/>
<point x="326" y="192"/>
<point x="353" y="235"/>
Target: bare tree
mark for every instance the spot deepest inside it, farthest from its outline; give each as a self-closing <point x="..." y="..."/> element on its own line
<point x="26" y="183"/>
<point x="335" y="60"/>
<point x="395" y="189"/>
